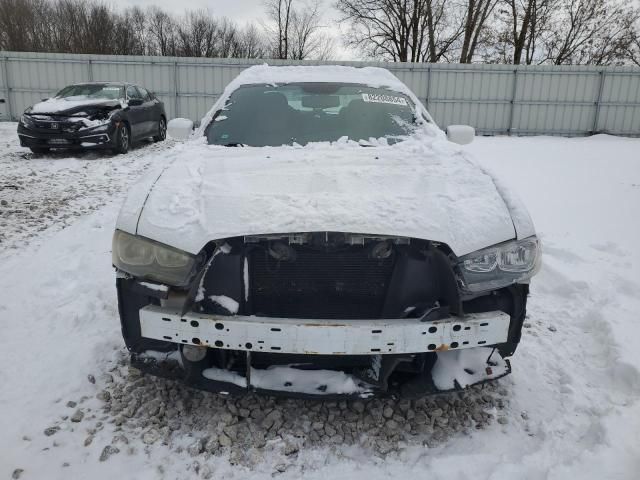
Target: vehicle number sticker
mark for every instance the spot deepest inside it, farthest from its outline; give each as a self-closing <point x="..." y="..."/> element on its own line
<point x="381" y="98"/>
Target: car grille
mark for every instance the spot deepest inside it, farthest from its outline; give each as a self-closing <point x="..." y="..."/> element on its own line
<point x="344" y="283"/>
<point x="58" y="126"/>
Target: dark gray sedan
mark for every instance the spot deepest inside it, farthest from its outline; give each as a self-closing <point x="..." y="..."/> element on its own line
<point x="109" y="115"/>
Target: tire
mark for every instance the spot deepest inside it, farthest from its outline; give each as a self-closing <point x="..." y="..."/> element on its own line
<point x="162" y="130"/>
<point x="123" y="139"/>
<point x="39" y="150"/>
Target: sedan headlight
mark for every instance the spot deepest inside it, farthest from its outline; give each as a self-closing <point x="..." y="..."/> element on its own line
<point x="27" y="122"/>
<point x="501" y="265"/>
<point x="102" y="127"/>
<point x="144" y="258"/>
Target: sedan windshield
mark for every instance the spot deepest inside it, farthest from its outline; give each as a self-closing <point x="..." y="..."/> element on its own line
<point x="267" y="115"/>
<point x="92" y="90"/>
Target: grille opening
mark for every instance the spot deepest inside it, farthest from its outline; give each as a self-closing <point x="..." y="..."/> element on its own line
<point x="330" y="275"/>
<point x="320" y="283"/>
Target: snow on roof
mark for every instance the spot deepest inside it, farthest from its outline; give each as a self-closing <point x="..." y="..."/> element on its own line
<point x="267" y="74"/>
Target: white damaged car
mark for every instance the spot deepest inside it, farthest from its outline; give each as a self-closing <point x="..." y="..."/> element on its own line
<point x="319" y="235"/>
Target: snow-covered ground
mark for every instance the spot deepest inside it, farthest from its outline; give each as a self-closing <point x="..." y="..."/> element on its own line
<point x="38" y="193"/>
<point x="71" y="408"/>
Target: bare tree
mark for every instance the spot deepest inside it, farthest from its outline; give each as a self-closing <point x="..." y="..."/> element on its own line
<point x="21" y="22"/>
<point x="306" y="36"/>
<point x="295" y="29"/>
<point x="519" y="27"/>
<point x="596" y="32"/>
<point x="162" y="31"/>
<point x="591" y="32"/>
<point x="196" y="34"/>
<point x="634" y="50"/>
<point x="251" y="43"/>
<point x="279" y="12"/>
<point x="401" y="30"/>
<point x="477" y="13"/>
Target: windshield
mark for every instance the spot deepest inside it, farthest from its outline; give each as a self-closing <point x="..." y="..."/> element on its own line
<point x="92" y="90"/>
<point x="267" y="115"/>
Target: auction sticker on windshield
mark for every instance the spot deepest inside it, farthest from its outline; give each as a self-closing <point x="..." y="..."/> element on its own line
<point x="381" y="98"/>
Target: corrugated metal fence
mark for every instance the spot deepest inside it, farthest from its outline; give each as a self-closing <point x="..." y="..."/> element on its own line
<point x="496" y="99"/>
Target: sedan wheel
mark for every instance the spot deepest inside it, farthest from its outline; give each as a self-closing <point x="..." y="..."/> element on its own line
<point x="162" y="131"/>
<point x="122" y="139"/>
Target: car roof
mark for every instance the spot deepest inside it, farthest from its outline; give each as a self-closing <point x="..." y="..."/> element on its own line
<point x="100" y="83"/>
<point x="268" y="74"/>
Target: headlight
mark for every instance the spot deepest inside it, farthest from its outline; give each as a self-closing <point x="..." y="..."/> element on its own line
<point x="26" y="121"/>
<point x="103" y="127"/>
<point x="95" y="125"/>
<point x="147" y="259"/>
<point x="501" y="265"/>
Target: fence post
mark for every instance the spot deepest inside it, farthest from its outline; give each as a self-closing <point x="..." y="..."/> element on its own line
<point x="596" y="117"/>
<point x="426" y="103"/>
<point x="89" y="70"/>
<point x="513" y="100"/>
<point x="175" y="89"/>
<point x="7" y="88"/>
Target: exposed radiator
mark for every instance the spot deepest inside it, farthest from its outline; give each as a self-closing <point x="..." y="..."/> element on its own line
<point x="344" y="283"/>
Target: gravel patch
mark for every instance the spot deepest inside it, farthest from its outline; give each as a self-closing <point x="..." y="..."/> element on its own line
<point x="50" y="192"/>
<point x="250" y="429"/>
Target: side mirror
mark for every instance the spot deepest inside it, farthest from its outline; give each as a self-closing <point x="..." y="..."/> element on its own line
<point x="134" y="102"/>
<point x="180" y="128"/>
<point x="460" y="134"/>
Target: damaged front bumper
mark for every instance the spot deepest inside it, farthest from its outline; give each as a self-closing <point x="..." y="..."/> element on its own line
<point x="410" y="357"/>
<point x="322" y="315"/>
<point x="99" y="137"/>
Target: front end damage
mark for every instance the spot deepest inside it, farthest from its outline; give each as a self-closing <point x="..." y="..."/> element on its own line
<point x="323" y="314"/>
<point x="81" y="127"/>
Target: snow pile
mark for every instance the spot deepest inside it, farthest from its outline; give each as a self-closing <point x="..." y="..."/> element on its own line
<point x="179" y="128"/>
<point x="466" y="367"/>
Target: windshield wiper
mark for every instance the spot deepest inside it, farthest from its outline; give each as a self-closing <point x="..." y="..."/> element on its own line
<point x="233" y="145"/>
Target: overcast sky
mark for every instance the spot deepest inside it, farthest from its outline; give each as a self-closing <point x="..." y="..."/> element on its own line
<point x="241" y="11"/>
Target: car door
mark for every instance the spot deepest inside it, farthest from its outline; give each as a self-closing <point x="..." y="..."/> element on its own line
<point x="151" y="117"/>
<point x="136" y="113"/>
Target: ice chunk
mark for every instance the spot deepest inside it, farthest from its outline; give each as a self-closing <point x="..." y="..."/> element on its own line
<point x="225" y="302"/>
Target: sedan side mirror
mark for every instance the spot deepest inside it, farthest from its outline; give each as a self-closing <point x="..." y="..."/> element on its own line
<point x="460" y="134"/>
<point x="134" y="102"/>
<point x="180" y="128"/>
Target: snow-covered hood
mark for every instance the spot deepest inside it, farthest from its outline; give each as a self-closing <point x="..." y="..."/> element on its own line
<point x="68" y="106"/>
<point x="421" y="189"/>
